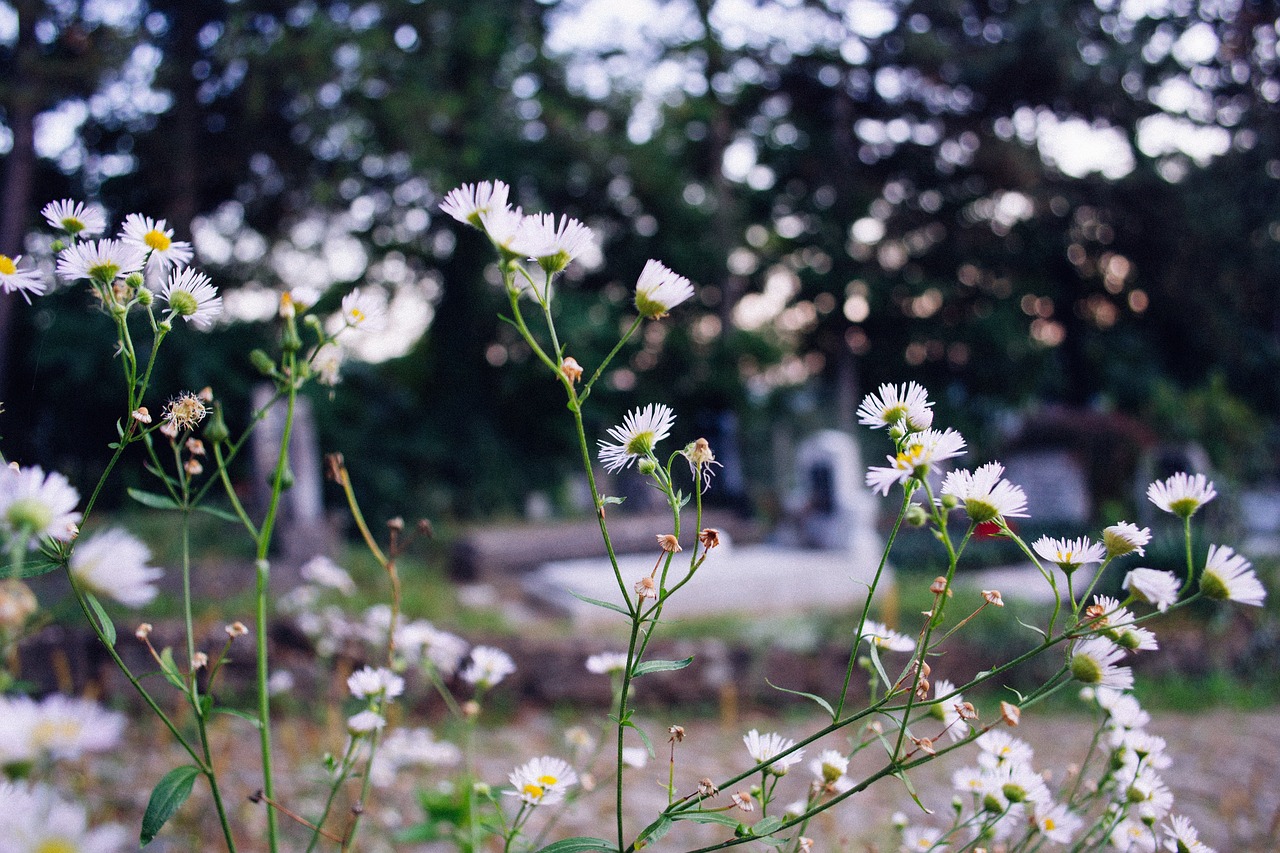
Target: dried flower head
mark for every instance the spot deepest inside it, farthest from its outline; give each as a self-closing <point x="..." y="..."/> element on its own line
<point x="185" y="412"/>
<point x="571" y="369"/>
<point x="646" y="587"/>
<point x="1011" y="714"/>
<point x="707" y="788"/>
<point x="992" y="596"/>
<point x="236" y="629"/>
<point x="709" y="537"/>
<point x="142" y="415"/>
<point x="677" y="734"/>
<point x="669" y="543"/>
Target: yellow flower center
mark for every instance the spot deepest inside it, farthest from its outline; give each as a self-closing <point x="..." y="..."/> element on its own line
<point x="72" y="225"/>
<point x="547" y="781"/>
<point x="1049" y="825"/>
<point x="357" y="316"/>
<point x="56" y="845"/>
<point x="7" y="266"/>
<point x="533" y="791"/>
<point x="157" y="240"/>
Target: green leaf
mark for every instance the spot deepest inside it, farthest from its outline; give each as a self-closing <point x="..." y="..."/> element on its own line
<point x="170" y="669"/>
<point x="153" y="500"/>
<point x="655" y="831"/>
<point x="30" y="568"/>
<point x="659" y="666"/>
<point x="598" y="603"/>
<point x="105" y="625"/>
<point x="217" y="512"/>
<point x="766" y="825"/>
<point x="823" y="703"/>
<point x="580" y="844"/>
<point x="708" y="817"/>
<point x="206" y="705"/>
<point x="1033" y="628"/>
<point x="648" y="744"/>
<point x="911" y="789"/>
<point x="235" y="712"/>
<point x="875" y="661"/>
<point x="166" y="799"/>
<point x="609" y="499"/>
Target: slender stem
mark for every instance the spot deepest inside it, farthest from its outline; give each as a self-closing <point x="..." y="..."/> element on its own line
<point x="586" y="389"/>
<point x="344" y="768"/>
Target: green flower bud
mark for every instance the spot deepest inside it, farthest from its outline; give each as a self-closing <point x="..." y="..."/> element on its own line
<point x="216" y="429"/>
<point x="262" y="362"/>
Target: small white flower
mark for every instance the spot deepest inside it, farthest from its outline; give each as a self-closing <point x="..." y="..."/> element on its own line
<point x="13" y="280"/>
<point x="327" y="364"/>
<point x="542" y="781"/>
<point x="1058" y="823"/>
<point x="469" y="202"/>
<point x="58" y="726"/>
<point x="1228" y="576"/>
<point x="1158" y="588"/>
<point x="36" y="818"/>
<point x="369" y="682"/>
<point x="502" y="225"/>
<point x="114" y="564"/>
<point x="35" y="505"/>
<point x="883" y="637"/>
<point x="641" y="429"/>
<point x="635" y="756"/>
<point x="1093" y="661"/>
<point x="830" y="767"/>
<point x="192" y="296"/>
<point x="607" y="663"/>
<point x="1000" y="747"/>
<point x="908" y="404"/>
<point x="957" y="728"/>
<point x="1181" y="494"/>
<point x="985" y="495"/>
<point x="1133" y="836"/>
<point x="325" y="572"/>
<point x="552" y="246"/>
<point x="153" y="237"/>
<point x="658" y="290"/>
<point x="1120" y="626"/>
<point x="766" y="747"/>
<point x="75" y="218"/>
<point x="488" y="666"/>
<point x="362" y="310"/>
<point x="921" y="838"/>
<point x="365" y="722"/>
<point x="1125" y="538"/>
<point x="920" y="452"/>
<point x="1183" y="837"/>
<point x="1150" y="794"/>
<point x="1069" y="554"/>
<point x="102" y="261"/>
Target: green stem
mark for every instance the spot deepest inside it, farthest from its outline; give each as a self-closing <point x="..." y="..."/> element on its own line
<point x="586" y="389"/>
<point x="344" y="768"/>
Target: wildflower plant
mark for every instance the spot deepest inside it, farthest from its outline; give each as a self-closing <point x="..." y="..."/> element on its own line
<point x="142" y="283"/>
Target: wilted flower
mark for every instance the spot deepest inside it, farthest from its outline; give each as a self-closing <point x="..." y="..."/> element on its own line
<point x="14" y="280"/>
<point x="1228" y="576"/>
<point x="908" y="404"/>
<point x="1181" y="494"/>
<point x="986" y="497"/>
<point x="185" y="411"/>
<point x="113" y="564"/>
<point x="658" y="290"/>
<point x="75" y="218"/>
<point x="641" y="429"/>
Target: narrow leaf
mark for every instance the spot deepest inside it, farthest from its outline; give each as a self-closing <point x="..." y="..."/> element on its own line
<point x="235" y="712"/>
<point x="659" y="666"/>
<point x="166" y="799"/>
<point x="580" y="844"/>
<point x="823" y="703"/>
<point x="708" y="817"/>
<point x="911" y="789"/>
<point x="105" y="625"/>
<point x="609" y="499"/>
<point x="766" y="825"/>
<point x="656" y="830"/>
<point x="648" y="744"/>
<point x="1033" y="628"/>
<point x="218" y="512"/>
<point x="170" y="669"/>
<point x="598" y="603"/>
<point x="153" y="500"/>
<point x="30" y="568"/>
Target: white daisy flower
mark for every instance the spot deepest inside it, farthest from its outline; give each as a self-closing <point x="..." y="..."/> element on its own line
<point x="192" y="297"/>
<point x="892" y="404"/>
<point x="1119" y="626"/>
<point x="607" y="663"/>
<point x="36" y="505"/>
<point x="766" y="747"/>
<point x="1153" y="586"/>
<point x="75" y="218"/>
<point x="151" y="235"/>
<point x="488" y="666"/>
<point x="1122" y="708"/>
<point x="1141" y="747"/>
<point x="985" y="495"/>
<point x="114" y="564"/>
<point x="552" y="246"/>
<point x="658" y="290"/>
<point x="1093" y="661"/>
<point x="948" y="709"/>
<point x="641" y="429"/>
<point x="59" y="727"/>
<point x="1133" y="836"/>
<point x="882" y="636"/>
<point x="921" y="838"/>
<point x="365" y="723"/>
<point x="1150" y="794"/>
<point x="327" y="364"/>
<point x="370" y="682"/>
<point x="635" y="756"/>
<point x="999" y="748"/>
<point x="325" y="572"/>
<point x="1181" y="494"/>
<point x="101" y="261"/>
<point x="362" y="310"/>
<point x="1057" y="822"/>
<point x="1125" y="538"/>
<point x="830" y="767"/>
<point x="920" y="452"/>
<point x="502" y="225"/>
<point x="542" y="781"/>
<point x="1183" y="837"/>
<point x="1228" y="576"/>
<point x="1018" y="782"/>
<point x="968" y="780"/>
<point x="469" y="202"/>
<point x="1069" y="554"/>
<point x="35" y="818"/>
<point x="13" y="280"/>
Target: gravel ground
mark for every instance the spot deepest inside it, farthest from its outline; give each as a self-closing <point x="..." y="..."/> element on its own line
<point x="1225" y="776"/>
